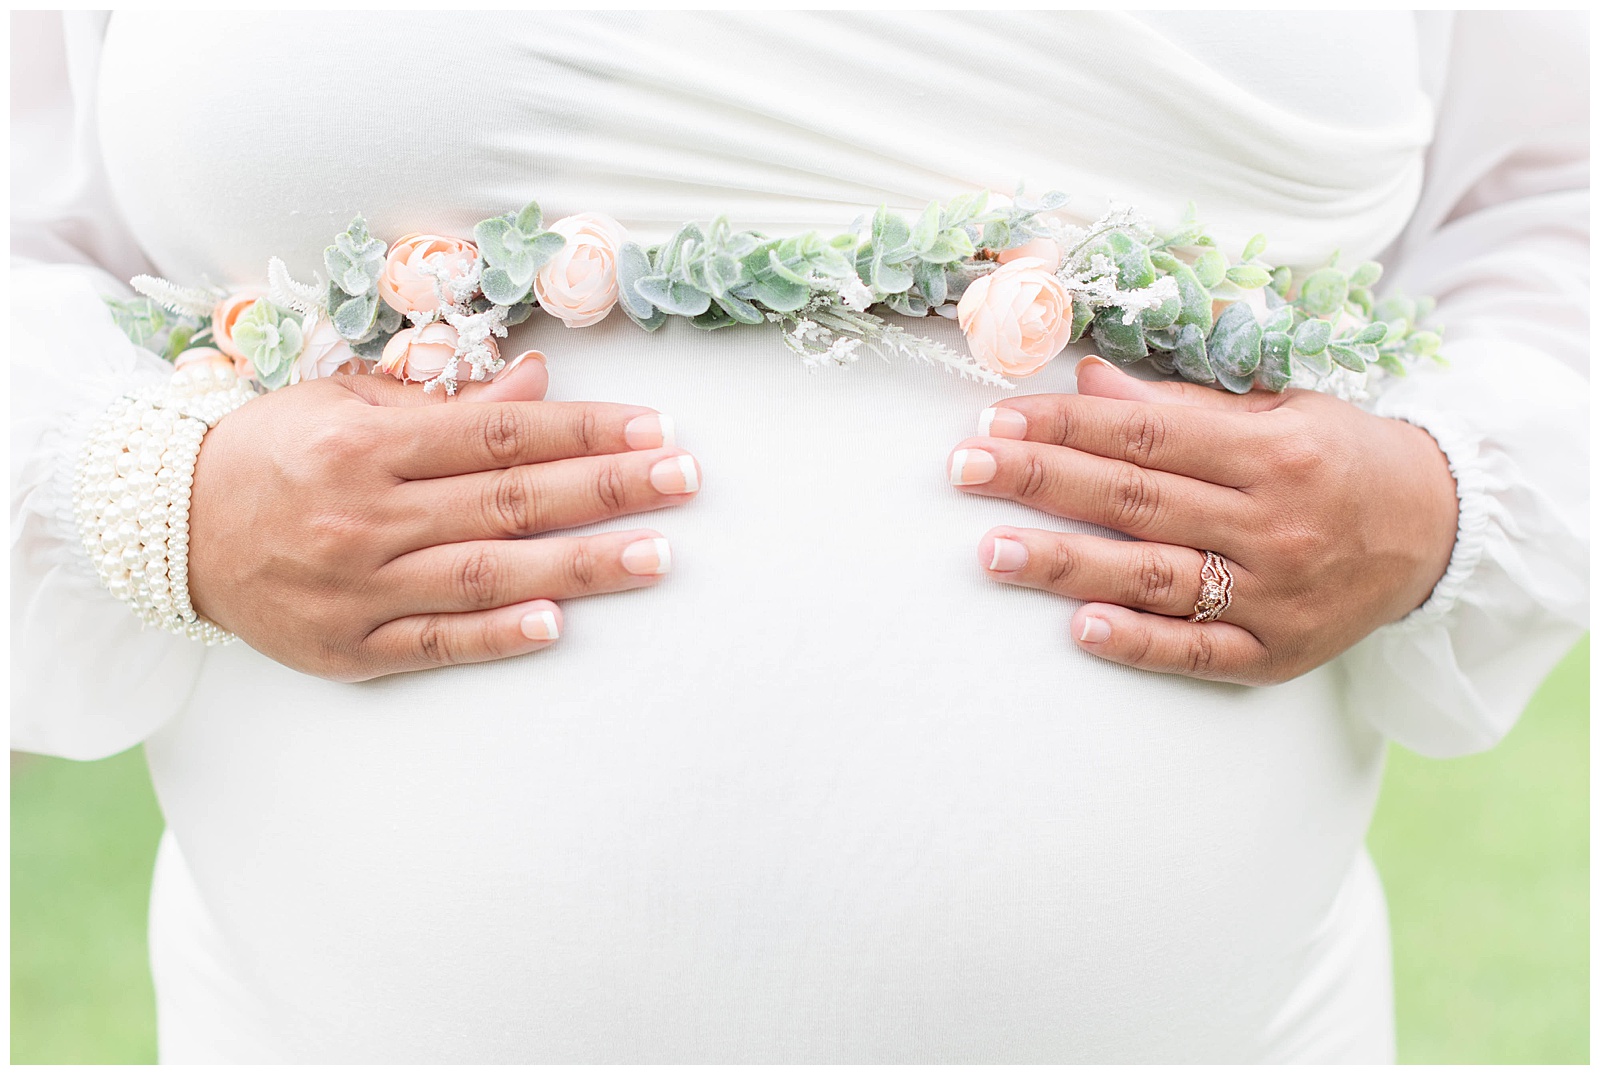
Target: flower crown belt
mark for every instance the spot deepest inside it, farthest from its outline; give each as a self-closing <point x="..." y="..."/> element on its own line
<point x="1021" y="284"/>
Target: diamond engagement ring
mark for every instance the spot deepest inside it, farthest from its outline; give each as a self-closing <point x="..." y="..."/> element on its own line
<point x="1216" y="589"/>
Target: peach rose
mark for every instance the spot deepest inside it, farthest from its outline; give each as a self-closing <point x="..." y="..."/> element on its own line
<point x="325" y="353"/>
<point x="1042" y="248"/>
<point x="421" y="354"/>
<point x="1017" y="318"/>
<point x="223" y="317"/>
<point x="579" y="284"/>
<point x="403" y="284"/>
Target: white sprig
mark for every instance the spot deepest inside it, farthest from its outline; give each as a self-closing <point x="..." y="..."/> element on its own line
<point x="183" y="301"/>
<point x="284" y="290"/>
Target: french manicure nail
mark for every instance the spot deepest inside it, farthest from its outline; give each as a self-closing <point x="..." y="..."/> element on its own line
<point x="972" y="466"/>
<point x="650" y="431"/>
<point x="648" y="556"/>
<point x="537" y="356"/>
<point x="1095" y="630"/>
<point x="541" y="626"/>
<point x="1003" y="422"/>
<point x="1008" y="555"/>
<point x="679" y="474"/>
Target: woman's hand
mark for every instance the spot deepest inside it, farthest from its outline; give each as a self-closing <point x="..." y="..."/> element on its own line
<point x="1333" y="521"/>
<point x="355" y="526"/>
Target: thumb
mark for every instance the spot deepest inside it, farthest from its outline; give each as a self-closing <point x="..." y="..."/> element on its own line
<point x="524" y="379"/>
<point x="1097" y="377"/>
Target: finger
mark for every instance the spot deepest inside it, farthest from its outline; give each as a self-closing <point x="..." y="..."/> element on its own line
<point x="437" y="639"/>
<point x="524" y="378"/>
<point x="535" y="499"/>
<point x="476" y="437"/>
<point x="1148" y="504"/>
<point x="1097" y="377"/>
<point x="1214" y="446"/>
<point x="1164" y="579"/>
<point x="473" y="575"/>
<point x="1220" y="651"/>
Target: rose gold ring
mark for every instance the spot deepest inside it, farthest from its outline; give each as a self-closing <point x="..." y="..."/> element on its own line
<point x="1216" y="589"/>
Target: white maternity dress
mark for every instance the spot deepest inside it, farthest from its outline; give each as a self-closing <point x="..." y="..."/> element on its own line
<point x="828" y="793"/>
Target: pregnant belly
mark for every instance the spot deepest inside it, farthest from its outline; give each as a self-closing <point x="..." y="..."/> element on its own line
<point x="826" y="793"/>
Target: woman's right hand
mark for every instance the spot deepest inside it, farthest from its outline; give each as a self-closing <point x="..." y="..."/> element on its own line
<point x="351" y="527"/>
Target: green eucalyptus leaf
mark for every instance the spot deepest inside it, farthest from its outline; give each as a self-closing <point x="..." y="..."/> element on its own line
<point x="1210" y="267"/>
<point x="1233" y="382"/>
<point x="1195" y="298"/>
<point x="889" y="230"/>
<point x="1398" y="308"/>
<point x="1082" y="316"/>
<point x="1160" y="317"/>
<point x="490" y="237"/>
<point x="1392" y="364"/>
<point x="673" y="295"/>
<point x="1319" y="363"/>
<point x="1323" y="292"/>
<point x="500" y="289"/>
<point x="1374" y="333"/>
<point x="530" y="220"/>
<point x="1248" y="277"/>
<point x="633" y="265"/>
<point x="1235" y="345"/>
<point x="1366" y="274"/>
<point x="1254" y="248"/>
<point x="1134" y="267"/>
<point x="908" y="303"/>
<point x="1360" y="300"/>
<point x="1349" y="357"/>
<point x="1312" y="336"/>
<point x="1119" y="343"/>
<point x="779" y="294"/>
<point x="1190" y="356"/>
<point x="1424" y="343"/>
<point x="544" y="247"/>
<point x="1282" y="280"/>
<point x="926" y="229"/>
<point x="890" y="279"/>
<point x="1277" y="363"/>
<point x="712" y="318"/>
<point x="1281" y="320"/>
<point x="520" y="312"/>
<point x="649" y="324"/>
<point x="740" y="310"/>
<point x="355" y="316"/>
<point x="931" y="282"/>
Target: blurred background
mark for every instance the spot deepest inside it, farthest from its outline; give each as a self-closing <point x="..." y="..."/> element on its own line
<point x="1485" y="859"/>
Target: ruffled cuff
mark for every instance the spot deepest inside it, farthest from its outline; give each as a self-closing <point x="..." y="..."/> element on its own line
<point x="1461" y="450"/>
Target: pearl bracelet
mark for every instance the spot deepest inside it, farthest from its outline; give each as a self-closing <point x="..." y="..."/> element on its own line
<point x="131" y="493"/>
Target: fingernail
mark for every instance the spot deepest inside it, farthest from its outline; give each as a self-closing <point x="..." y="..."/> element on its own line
<point x="537" y="356"/>
<point x="541" y="626"/>
<point x="1003" y="422"/>
<point x="972" y="466"/>
<point x="1008" y="555"/>
<point x="676" y="475"/>
<point x="1095" y="629"/>
<point x="1097" y="358"/>
<point x="650" y="431"/>
<point x="648" y="556"/>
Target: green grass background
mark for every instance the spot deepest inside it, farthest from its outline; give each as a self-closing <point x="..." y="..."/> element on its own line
<point x="1485" y="859"/>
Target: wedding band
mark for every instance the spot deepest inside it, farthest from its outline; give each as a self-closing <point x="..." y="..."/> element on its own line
<point x="1216" y="589"/>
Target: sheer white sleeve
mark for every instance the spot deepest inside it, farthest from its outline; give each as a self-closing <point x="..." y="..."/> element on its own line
<point x="87" y="680"/>
<point x="1501" y="238"/>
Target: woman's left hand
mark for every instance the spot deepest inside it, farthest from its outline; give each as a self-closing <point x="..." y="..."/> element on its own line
<point x="1333" y="521"/>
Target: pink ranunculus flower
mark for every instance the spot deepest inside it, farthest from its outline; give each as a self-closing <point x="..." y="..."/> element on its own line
<point x="223" y="317"/>
<point x="1017" y="318"/>
<point x="1043" y="248"/>
<point x="421" y="354"/>
<point x="208" y="357"/>
<point x="325" y="353"/>
<point x="403" y="284"/>
<point x="579" y="284"/>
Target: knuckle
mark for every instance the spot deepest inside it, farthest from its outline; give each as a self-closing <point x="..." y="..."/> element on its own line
<point x="1144" y="433"/>
<point x="1034" y="481"/>
<point x="511" y="504"/>
<point x="477" y="577"/>
<point x="1063" y="565"/>
<point x="505" y="435"/>
<point x="610" y="487"/>
<point x="1134" y="501"/>
<point x="1157" y="585"/>
<point x="586" y="431"/>
<point x="1199" y="653"/>
<point x="583" y="567"/>
<point x="433" y="640"/>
